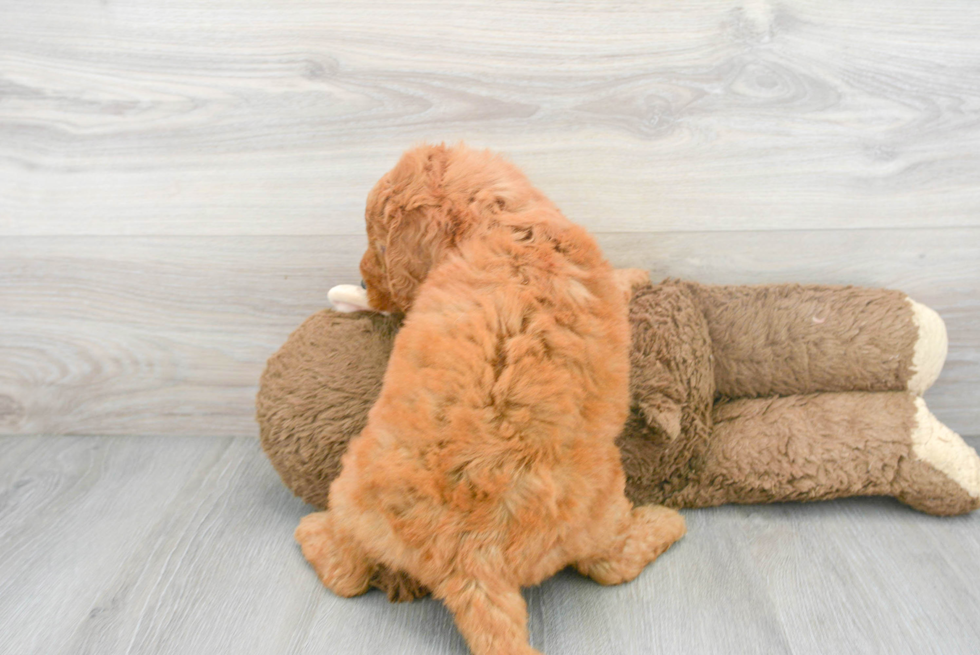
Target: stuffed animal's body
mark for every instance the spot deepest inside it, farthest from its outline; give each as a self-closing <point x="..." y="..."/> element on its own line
<point x="789" y="392"/>
<point x="739" y="395"/>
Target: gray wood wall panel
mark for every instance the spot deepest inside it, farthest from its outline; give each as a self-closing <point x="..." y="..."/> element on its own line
<point x="181" y="182"/>
<point x="168" y="335"/>
<point x="171" y="545"/>
<point x="233" y="117"/>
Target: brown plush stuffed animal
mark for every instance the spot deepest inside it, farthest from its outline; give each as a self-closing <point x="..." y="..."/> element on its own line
<point x="740" y="395"/>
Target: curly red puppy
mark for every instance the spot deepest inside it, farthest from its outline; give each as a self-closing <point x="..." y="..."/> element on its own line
<point x="488" y="462"/>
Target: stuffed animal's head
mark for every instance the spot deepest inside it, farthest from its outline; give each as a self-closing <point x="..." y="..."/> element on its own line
<point x="419" y="212"/>
<point x="317" y="389"/>
<point x="315" y="394"/>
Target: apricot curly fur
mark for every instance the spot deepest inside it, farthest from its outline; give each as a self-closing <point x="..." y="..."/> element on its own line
<point x="489" y="460"/>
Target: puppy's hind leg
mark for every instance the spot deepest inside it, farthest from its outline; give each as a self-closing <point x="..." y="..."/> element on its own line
<point x="490" y="614"/>
<point x="336" y="557"/>
<point x="643" y="535"/>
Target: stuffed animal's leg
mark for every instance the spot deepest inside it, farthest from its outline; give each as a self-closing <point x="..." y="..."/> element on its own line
<point x="337" y="558"/>
<point x="640" y="536"/>
<point x="490" y="613"/>
<point x="786" y="339"/>
<point x="832" y="445"/>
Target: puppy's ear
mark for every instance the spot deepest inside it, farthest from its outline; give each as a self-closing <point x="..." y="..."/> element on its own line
<point x="417" y="239"/>
<point x="423" y="207"/>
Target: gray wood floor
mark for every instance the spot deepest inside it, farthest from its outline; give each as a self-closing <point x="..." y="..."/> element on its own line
<point x="184" y="545"/>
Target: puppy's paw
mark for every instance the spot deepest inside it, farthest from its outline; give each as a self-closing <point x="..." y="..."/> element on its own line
<point x="631" y="279"/>
<point x="658" y="526"/>
<point x="338" y="560"/>
<point x="651" y="530"/>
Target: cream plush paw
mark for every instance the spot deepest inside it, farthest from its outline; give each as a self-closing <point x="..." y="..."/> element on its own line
<point x="930" y="348"/>
<point x="945" y="450"/>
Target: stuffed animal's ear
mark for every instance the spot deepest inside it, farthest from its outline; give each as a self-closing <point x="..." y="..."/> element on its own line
<point x="671" y="374"/>
<point x="657" y="408"/>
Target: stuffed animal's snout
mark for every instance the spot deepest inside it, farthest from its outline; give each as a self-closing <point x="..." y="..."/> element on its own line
<point x="349" y="298"/>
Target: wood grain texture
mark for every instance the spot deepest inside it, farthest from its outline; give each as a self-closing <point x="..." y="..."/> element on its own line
<point x="232" y="117"/>
<point x="164" y="545"/>
<point x="182" y="182"/>
<point x="168" y="335"/>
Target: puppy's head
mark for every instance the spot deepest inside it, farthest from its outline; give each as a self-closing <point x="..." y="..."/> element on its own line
<point x="421" y="210"/>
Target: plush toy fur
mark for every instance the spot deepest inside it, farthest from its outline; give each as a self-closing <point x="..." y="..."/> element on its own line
<point x="739" y="395"/>
<point x="789" y="392"/>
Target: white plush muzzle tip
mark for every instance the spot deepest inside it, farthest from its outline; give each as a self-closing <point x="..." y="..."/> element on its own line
<point x="348" y="298"/>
